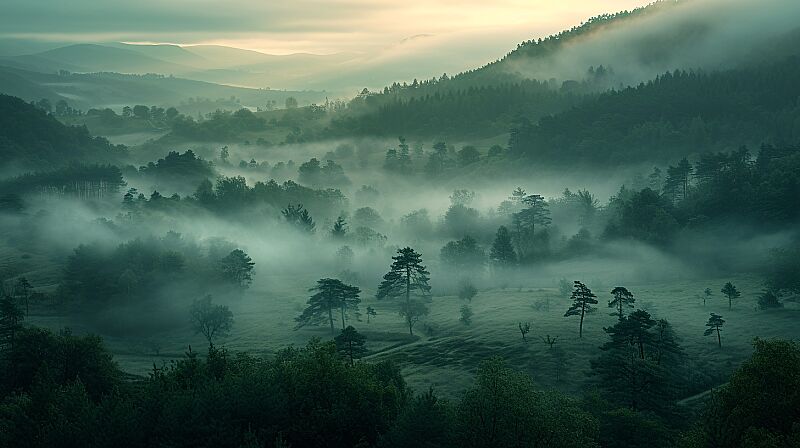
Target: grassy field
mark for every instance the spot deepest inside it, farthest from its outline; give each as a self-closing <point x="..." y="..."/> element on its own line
<point x="444" y="353"/>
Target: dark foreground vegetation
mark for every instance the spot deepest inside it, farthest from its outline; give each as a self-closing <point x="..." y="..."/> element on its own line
<point x="62" y="390"/>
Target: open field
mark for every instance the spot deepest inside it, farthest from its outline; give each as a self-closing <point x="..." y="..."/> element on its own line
<point x="444" y="353"/>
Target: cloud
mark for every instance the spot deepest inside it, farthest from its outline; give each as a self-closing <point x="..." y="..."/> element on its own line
<point x="306" y="25"/>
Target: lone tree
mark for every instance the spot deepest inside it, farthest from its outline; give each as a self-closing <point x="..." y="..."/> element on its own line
<point x="331" y="294"/>
<point x="237" y="268"/>
<point x="210" y="320"/>
<point x="550" y="341"/>
<point x="339" y="229"/>
<point x="731" y="293"/>
<point x="714" y="324"/>
<point x="406" y="277"/>
<point x="502" y="252"/>
<point x="622" y="298"/>
<point x="582" y="301"/>
<point x="707" y="295"/>
<point x="524" y="329"/>
<point x="371" y="312"/>
<point x="350" y="343"/>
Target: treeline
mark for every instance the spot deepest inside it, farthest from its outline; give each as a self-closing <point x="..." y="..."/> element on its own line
<point x="152" y="269"/>
<point x="229" y="195"/>
<point x="31" y="138"/>
<point x="61" y="390"/>
<point x="675" y="115"/>
<point x="76" y="180"/>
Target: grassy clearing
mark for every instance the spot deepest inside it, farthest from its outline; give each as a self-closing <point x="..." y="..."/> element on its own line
<point x="444" y="353"/>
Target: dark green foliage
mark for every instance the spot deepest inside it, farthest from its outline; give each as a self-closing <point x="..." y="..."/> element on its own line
<point x="669" y="117"/>
<point x="714" y="324"/>
<point x="222" y="401"/>
<point x="464" y="254"/>
<point x="502" y="253"/>
<point x="331" y="295"/>
<point x="32" y="138"/>
<point x="350" y="343"/>
<point x="768" y="299"/>
<point x="11" y="317"/>
<point x="210" y="320"/>
<point x="139" y="270"/>
<point x="582" y="301"/>
<point x="77" y="180"/>
<point x="731" y="293"/>
<point x="641" y="366"/>
<point x="220" y="126"/>
<point x="178" y="169"/>
<point x="646" y="216"/>
<point x="622" y="299"/>
<point x="315" y="174"/>
<point x="339" y="229"/>
<point x="426" y="422"/>
<point x="760" y="405"/>
<point x="299" y="217"/>
<point x="42" y="359"/>
<point x="237" y="268"/>
<point x="783" y="270"/>
<point x="407" y="279"/>
<point x="504" y="409"/>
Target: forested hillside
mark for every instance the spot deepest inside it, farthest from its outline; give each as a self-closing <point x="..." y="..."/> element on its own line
<point x="30" y="137"/>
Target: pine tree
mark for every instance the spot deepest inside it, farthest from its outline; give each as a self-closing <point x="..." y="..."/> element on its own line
<point x="502" y="253"/>
<point x="350" y="343"/>
<point x="731" y="293"/>
<point x="299" y="217"/>
<point x="407" y="278"/>
<point x="622" y="298"/>
<point x="582" y="301"/>
<point x="331" y="294"/>
<point x="714" y="324"/>
<point x="339" y="229"/>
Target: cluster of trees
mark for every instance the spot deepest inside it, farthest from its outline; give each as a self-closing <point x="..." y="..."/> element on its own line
<point x="229" y="195"/>
<point x="178" y="169"/>
<point x="313" y="173"/>
<point x="219" y="126"/>
<point x="74" y="180"/>
<point x="143" y="270"/>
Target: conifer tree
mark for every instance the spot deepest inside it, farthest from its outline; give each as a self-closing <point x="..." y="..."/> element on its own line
<point x="502" y="253"/>
<point x="350" y="343"/>
<point x="622" y="298"/>
<point x="331" y="294"/>
<point x="407" y="279"/>
<point x="582" y="301"/>
<point x="714" y="324"/>
<point x="731" y="293"/>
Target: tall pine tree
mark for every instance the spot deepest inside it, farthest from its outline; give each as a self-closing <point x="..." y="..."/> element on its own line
<point x="407" y="279"/>
<point x="582" y="301"/>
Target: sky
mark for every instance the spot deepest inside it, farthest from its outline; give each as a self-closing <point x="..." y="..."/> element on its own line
<point x="308" y="26"/>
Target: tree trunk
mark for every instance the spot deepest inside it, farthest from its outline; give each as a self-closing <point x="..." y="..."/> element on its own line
<point x="580" y="329"/>
<point x="719" y="338"/>
<point x="343" y="308"/>
<point x="330" y="318"/>
<point x="408" y="300"/>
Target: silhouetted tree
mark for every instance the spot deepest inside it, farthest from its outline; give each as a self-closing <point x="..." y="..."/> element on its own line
<point x="582" y="301"/>
<point x="524" y="329"/>
<point x="209" y="319"/>
<point x="502" y="253"/>
<point x="467" y="291"/>
<point x="299" y="217"/>
<point x="237" y="268"/>
<point x="731" y="293"/>
<point x="331" y="294"/>
<point x="350" y="343"/>
<point x="622" y="298"/>
<point x="466" y="314"/>
<point x="371" y="313"/>
<point x="714" y="324"/>
<point x="707" y="295"/>
<point x="407" y="276"/>
<point x="339" y="229"/>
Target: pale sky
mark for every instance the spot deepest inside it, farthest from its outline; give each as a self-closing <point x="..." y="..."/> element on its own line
<point x="314" y="26"/>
